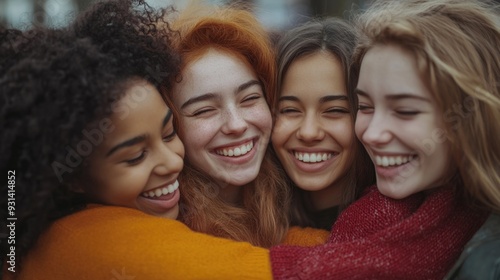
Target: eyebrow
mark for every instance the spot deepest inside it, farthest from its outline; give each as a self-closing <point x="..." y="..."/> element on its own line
<point x="360" y="92"/>
<point x="323" y="99"/>
<point x="397" y="96"/>
<point x="246" y="85"/>
<point x="209" y="96"/>
<point x="127" y="143"/>
<point x="203" y="97"/>
<point x="138" y="139"/>
<point x="327" y="98"/>
<point x="289" y="98"/>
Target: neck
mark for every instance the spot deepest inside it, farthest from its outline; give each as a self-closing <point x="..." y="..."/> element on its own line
<point x="328" y="197"/>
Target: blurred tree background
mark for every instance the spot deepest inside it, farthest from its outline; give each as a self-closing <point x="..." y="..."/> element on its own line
<point x="275" y="14"/>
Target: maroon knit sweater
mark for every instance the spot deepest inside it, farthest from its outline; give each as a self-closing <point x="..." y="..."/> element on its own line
<point x="419" y="237"/>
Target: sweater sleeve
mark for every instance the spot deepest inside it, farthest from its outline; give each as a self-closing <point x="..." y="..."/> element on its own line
<point x="120" y="243"/>
<point x="305" y="237"/>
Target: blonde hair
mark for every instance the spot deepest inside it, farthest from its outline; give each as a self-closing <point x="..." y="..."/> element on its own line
<point x="456" y="44"/>
<point x="261" y="219"/>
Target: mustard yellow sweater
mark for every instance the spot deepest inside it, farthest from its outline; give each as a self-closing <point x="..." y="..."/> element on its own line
<point x="106" y="242"/>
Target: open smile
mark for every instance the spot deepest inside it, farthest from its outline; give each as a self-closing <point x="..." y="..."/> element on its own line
<point x="393" y="161"/>
<point x="161" y="191"/>
<point x="312" y="157"/>
<point x="235" y="151"/>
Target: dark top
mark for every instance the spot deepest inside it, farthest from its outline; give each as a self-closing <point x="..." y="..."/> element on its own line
<point x="325" y="218"/>
<point x="481" y="256"/>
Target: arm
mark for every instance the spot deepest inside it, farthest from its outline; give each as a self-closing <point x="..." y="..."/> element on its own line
<point x="113" y="242"/>
<point x="481" y="256"/>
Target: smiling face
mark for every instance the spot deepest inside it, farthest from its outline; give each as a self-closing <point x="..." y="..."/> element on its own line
<point x="313" y="135"/>
<point x="140" y="158"/>
<point x="399" y="124"/>
<point x="225" y="119"/>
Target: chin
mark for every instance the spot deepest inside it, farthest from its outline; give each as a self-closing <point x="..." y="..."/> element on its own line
<point x="171" y="214"/>
<point x="243" y="180"/>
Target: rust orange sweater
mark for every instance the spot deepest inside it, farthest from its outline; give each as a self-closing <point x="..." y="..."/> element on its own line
<point x="101" y="242"/>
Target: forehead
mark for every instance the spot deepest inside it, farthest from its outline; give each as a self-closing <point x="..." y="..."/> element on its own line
<point x="215" y="71"/>
<point x="141" y="103"/>
<point x="319" y="73"/>
<point x="391" y="69"/>
<point x="217" y="66"/>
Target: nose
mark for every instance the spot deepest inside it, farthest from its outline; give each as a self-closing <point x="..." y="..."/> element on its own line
<point x="234" y="122"/>
<point x="310" y="129"/>
<point x="168" y="159"/>
<point x="376" y="130"/>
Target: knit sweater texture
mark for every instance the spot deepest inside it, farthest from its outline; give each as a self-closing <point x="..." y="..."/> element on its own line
<point x="107" y="242"/>
<point x="305" y="237"/>
<point x="419" y="237"/>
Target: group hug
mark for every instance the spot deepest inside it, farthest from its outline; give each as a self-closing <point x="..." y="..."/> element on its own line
<point x="152" y="143"/>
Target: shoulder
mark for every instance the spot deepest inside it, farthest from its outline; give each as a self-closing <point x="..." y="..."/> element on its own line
<point x="102" y="241"/>
<point x="481" y="256"/>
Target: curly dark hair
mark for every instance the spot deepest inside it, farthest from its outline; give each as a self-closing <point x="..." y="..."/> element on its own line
<point x="56" y="84"/>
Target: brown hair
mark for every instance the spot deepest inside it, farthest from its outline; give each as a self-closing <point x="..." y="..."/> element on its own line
<point x="262" y="217"/>
<point x="338" y="38"/>
<point x="456" y="44"/>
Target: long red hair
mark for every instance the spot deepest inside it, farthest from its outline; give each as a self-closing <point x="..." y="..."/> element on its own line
<point x="261" y="219"/>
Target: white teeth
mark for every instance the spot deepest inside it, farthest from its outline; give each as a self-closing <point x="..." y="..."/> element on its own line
<point x="386" y="161"/>
<point x="306" y="158"/>
<point x="162" y="191"/>
<point x="238" y="151"/>
<point x="312" y="157"/>
<point x="158" y="192"/>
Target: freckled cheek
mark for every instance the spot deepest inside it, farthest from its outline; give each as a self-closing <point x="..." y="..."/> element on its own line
<point x="261" y="118"/>
<point x="197" y="135"/>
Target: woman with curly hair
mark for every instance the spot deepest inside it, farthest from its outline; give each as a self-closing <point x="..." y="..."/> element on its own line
<point x="88" y="140"/>
<point x="231" y="187"/>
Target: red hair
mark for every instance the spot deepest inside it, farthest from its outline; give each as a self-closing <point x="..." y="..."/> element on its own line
<point x="262" y="217"/>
